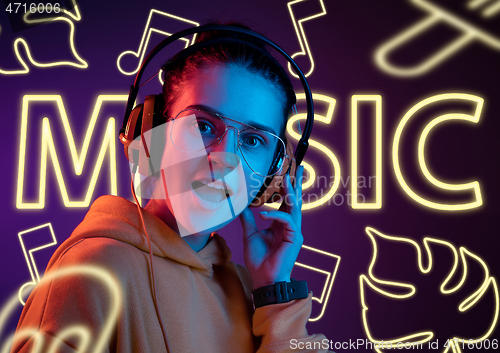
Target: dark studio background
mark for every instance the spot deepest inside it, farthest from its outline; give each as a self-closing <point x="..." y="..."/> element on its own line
<point x="342" y="43"/>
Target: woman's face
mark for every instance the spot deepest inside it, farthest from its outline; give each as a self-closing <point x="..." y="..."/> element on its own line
<point x="208" y="188"/>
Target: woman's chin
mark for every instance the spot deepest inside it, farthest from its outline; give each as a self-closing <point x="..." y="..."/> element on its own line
<point x="197" y="215"/>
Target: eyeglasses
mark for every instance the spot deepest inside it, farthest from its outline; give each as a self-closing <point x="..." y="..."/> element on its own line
<point x="194" y="130"/>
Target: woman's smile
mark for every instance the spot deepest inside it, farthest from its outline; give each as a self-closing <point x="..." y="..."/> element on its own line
<point x="215" y="191"/>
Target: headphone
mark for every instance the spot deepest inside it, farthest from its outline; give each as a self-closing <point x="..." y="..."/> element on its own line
<point x="144" y="117"/>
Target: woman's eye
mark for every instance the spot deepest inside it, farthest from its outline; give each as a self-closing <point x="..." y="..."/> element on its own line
<point x="253" y="141"/>
<point x="204" y="127"/>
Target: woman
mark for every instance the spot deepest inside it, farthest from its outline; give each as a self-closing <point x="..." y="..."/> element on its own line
<point x="161" y="279"/>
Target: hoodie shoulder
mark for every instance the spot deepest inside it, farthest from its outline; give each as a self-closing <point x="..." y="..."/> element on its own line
<point x="97" y="249"/>
<point x="89" y="260"/>
<point x="104" y="251"/>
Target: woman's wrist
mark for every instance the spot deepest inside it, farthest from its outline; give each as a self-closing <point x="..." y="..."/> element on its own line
<point x="262" y="283"/>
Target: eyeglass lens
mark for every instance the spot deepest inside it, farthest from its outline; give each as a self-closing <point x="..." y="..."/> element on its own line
<point x="194" y="130"/>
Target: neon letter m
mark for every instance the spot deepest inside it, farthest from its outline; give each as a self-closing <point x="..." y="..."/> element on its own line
<point x="47" y="146"/>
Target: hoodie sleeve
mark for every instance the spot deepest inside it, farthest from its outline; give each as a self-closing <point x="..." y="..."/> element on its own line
<point x="282" y="328"/>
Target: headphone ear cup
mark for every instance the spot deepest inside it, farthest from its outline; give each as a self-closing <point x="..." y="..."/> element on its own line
<point x="131" y="132"/>
<point x="142" y="119"/>
<point x="275" y="188"/>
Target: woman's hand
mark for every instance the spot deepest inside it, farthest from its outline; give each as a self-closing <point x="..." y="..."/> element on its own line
<point x="271" y="253"/>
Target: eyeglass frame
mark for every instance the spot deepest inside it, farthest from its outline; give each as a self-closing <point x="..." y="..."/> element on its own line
<point x="219" y="139"/>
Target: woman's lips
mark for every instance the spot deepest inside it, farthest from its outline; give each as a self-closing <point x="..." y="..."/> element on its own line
<point x="212" y="192"/>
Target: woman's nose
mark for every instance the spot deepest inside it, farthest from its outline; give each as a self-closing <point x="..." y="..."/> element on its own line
<point x="225" y="152"/>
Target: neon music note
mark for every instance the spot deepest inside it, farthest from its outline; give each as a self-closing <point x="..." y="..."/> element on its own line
<point x="175" y="23"/>
<point x="301" y="36"/>
<point x="30" y="261"/>
<point x="317" y="260"/>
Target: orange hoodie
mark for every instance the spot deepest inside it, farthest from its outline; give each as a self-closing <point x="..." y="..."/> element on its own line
<point x="204" y="299"/>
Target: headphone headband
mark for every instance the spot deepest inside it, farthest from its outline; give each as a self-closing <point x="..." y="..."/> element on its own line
<point x="181" y="56"/>
<point x="134" y="89"/>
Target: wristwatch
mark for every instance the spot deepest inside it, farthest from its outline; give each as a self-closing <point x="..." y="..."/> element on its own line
<point x="280" y="292"/>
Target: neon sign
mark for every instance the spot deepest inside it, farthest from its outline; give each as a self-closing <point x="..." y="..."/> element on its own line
<point x="109" y="144"/>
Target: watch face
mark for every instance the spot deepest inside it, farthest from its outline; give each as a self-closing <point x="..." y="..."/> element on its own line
<point x="479" y="16"/>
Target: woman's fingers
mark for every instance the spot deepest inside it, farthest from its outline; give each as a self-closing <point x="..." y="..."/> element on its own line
<point x="292" y="203"/>
<point x="248" y="223"/>
<point x="298" y="184"/>
<point x="292" y="230"/>
<point x="285" y="203"/>
<point x="283" y="217"/>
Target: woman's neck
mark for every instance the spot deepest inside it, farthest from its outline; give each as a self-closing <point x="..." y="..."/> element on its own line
<point x="160" y="210"/>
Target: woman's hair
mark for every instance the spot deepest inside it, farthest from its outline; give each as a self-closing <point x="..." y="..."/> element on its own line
<point x="253" y="56"/>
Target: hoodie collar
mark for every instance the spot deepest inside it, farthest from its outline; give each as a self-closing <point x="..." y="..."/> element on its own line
<point x="117" y="218"/>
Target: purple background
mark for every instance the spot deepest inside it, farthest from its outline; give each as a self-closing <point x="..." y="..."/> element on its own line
<point x="342" y="42"/>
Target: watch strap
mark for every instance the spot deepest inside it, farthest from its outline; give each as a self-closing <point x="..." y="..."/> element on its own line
<point x="280" y="292"/>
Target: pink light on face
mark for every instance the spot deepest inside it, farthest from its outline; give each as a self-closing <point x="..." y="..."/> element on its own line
<point x="209" y="187"/>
